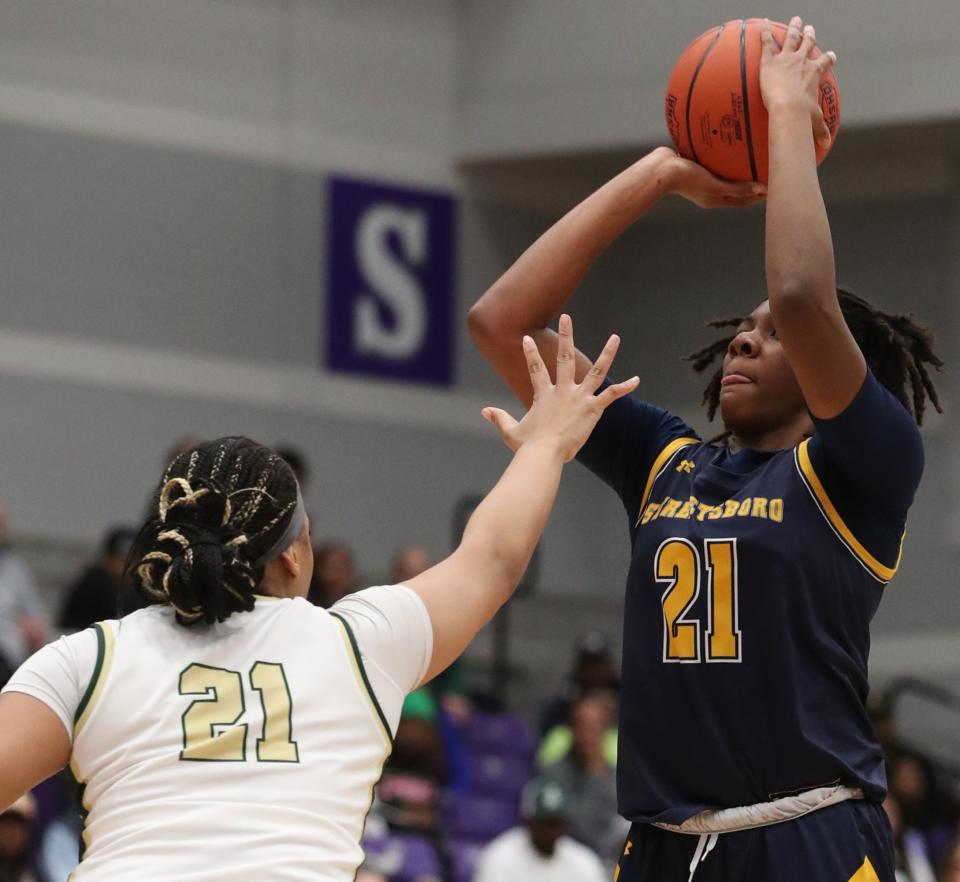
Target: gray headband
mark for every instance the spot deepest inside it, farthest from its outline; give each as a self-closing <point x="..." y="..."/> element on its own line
<point x="289" y="536"/>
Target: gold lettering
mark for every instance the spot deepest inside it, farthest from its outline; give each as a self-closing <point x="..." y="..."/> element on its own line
<point x="744" y="509"/>
<point x="687" y="508"/>
<point x="652" y="509"/>
<point x="730" y="508"/>
<point x="669" y="508"/>
<point x="760" y="507"/>
<point x="703" y="510"/>
<point x="776" y="510"/>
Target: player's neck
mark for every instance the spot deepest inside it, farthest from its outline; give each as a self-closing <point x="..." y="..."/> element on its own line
<point x="780" y="438"/>
<point x="277" y="582"/>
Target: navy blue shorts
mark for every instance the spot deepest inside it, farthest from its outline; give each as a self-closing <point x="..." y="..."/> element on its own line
<point x="847" y="842"/>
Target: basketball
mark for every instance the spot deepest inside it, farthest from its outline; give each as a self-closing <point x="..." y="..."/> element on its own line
<point x="714" y="110"/>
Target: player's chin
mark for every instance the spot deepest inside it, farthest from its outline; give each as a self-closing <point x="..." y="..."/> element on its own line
<point x="739" y="407"/>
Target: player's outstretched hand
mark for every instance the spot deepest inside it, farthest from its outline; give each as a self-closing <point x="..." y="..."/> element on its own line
<point x="694" y="183"/>
<point x="564" y="413"/>
<point x="790" y="76"/>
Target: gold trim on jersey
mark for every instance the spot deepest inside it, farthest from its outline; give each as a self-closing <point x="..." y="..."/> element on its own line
<point x="353" y="653"/>
<point x="101" y="671"/>
<point x="866" y="873"/>
<point x="660" y="464"/>
<point x="879" y="571"/>
<point x="84" y="812"/>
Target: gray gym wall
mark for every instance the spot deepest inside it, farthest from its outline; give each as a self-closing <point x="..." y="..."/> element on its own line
<point x="162" y="240"/>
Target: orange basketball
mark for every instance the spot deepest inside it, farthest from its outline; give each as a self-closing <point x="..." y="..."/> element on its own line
<point x="714" y="110"/>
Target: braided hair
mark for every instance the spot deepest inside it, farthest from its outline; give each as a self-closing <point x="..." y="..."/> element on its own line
<point x="896" y="349"/>
<point x="217" y="514"/>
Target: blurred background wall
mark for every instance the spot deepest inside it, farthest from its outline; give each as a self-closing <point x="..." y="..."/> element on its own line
<point x="165" y="168"/>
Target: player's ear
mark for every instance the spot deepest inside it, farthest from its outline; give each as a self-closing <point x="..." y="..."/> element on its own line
<point x="290" y="561"/>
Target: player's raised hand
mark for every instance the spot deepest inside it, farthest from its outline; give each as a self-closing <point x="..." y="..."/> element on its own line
<point x="790" y="76"/>
<point x="564" y="413"/>
<point x="694" y="183"/>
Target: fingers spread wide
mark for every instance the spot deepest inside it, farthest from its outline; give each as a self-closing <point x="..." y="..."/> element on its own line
<point x="601" y="367"/>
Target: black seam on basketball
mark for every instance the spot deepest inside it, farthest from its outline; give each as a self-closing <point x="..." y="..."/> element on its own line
<point x="693" y="81"/>
<point x="746" y="100"/>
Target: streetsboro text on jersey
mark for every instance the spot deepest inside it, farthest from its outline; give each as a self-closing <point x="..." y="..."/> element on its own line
<point x="688" y="509"/>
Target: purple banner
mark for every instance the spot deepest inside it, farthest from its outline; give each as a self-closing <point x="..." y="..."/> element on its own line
<point x="390" y="283"/>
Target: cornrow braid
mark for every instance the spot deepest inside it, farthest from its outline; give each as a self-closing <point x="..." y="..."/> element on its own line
<point x="896" y="348"/>
<point x="202" y="550"/>
<point x="703" y="358"/>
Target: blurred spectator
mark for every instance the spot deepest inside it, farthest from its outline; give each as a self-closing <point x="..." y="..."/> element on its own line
<point x="925" y="796"/>
<point x="925" y="806"/>
<point x="297" y="462"/>
<point x="449" y="725"/>
<point x="950" y="866"/>
<point x="540" y="851"/>
<point x="409" y="790"/>
<point x="559" y="741"/>
<point x="60" y="848"/>
<point x="880" y="711"/>
<point x="409" y="793"/>
<point x="410" y="561"/>
<point x="95" y="595"/>
<point x="593" y="670"/>
<point x="403" y="857"/>
<point x="334" y="574"/>
<point x="416" y="747"/>
<point x="22" y="628"/>
<point x="588" y="778"/>
<point x="15" y="829"/>
<point x="57" y="827"/>
<point x="912" y="860"/>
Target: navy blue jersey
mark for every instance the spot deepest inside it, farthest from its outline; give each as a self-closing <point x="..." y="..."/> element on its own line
<point x="753" y="580"/>
<point x="848" y="842"/>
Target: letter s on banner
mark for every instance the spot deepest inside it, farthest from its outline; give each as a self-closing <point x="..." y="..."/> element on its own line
<point x="390" y="282"/>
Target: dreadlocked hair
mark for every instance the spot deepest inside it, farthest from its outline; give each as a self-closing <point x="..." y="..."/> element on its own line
<point x="218" y="510"/>
<point x="896" y="348"/>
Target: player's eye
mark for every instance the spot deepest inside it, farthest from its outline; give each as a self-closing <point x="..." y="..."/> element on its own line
<point x="773" y="333"/>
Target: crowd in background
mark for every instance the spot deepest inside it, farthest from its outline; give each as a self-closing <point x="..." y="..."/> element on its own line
<point x="471" y="792"/>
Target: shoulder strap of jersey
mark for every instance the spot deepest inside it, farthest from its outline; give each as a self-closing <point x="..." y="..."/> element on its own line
<point x="878" y="570"/>
<point x="660" y="464"/>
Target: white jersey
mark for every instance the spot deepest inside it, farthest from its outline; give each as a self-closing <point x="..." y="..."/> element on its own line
<point x="244" y="750"/>
<point x="511" y="856"/>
